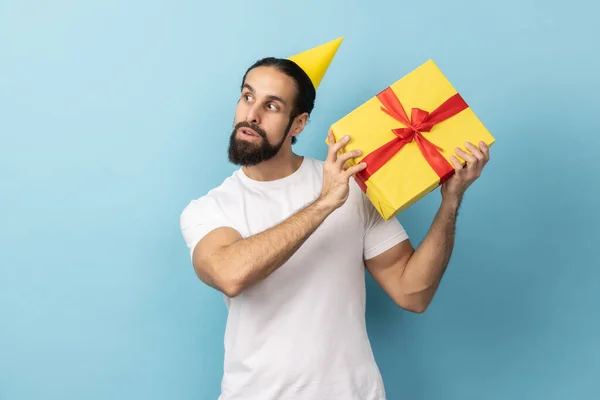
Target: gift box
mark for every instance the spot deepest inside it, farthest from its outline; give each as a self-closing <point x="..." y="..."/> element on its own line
<point x="407" y="134"/>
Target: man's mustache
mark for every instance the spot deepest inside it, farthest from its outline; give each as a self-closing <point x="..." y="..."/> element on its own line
<point x="255" y="128"/>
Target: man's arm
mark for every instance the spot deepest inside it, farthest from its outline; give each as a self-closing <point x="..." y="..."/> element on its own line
<point x="411" y="277"/>
<point x="230" y="264"/>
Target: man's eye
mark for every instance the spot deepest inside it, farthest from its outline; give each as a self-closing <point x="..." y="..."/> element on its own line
<point x="273" y="107"/>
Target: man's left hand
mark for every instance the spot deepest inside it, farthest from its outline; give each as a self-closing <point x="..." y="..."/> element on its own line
<point x="464" y="176"/>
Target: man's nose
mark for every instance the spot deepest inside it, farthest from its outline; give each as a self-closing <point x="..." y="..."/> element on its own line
<point x="254" y="115"/>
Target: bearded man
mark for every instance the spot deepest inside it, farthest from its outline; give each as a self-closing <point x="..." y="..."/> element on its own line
<point x="287" y="240"/>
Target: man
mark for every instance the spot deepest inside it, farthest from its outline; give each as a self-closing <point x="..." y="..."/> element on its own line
<point x="287" y="239"/>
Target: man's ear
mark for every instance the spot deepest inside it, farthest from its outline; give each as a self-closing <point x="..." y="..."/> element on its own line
<point x="299" y="123"/>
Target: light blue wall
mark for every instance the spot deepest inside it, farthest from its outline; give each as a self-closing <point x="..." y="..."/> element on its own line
<point x="113" y="115"/>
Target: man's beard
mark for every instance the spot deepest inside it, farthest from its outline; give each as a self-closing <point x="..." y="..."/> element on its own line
<point x="247" y="153"/>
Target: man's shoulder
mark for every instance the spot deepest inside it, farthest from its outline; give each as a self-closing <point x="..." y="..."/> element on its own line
<point x="314" y="161"/>
<point x="317" y="163"/>
<point x="216" y="197"/>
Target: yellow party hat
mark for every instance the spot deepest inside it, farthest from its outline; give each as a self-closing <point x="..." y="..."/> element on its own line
<point x="316" y="61"/>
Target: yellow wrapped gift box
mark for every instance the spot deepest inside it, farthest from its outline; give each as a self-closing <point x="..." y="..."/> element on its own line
<point x="407" y="134"/>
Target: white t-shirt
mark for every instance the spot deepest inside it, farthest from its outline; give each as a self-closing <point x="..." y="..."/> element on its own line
<point x="300" y="334"/>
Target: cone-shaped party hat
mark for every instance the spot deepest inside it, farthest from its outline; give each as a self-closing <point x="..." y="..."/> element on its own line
<point x="316" y="61"/>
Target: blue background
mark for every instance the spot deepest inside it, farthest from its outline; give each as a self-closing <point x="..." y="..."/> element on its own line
<point x="113" y="115"/>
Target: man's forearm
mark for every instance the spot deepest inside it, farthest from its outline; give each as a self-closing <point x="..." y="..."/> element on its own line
<point x="428" y="263"/>
<point x="250" y="260"/>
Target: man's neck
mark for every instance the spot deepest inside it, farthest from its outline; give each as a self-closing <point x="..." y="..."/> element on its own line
<point x="276" y="168"/>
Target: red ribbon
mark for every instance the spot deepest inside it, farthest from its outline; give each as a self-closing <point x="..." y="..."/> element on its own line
<point x="420" y="121"/>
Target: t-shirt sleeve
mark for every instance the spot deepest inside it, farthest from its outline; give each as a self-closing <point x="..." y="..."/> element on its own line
<point x="380" y="235"/>
<point x="200" y="217"/>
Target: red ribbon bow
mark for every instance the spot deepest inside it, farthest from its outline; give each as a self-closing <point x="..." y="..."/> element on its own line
<point x="420" y="121"/>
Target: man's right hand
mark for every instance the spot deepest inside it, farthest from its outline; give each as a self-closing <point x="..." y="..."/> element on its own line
<point x="335" y="174"/>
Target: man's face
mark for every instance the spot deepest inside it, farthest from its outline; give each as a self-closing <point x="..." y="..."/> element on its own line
<point x="262" y="118"/>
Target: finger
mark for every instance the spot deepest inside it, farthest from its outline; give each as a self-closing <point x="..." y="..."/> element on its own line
<point x="475" y="151"/>
<point x="355" y="169"/>
<point x="470" y="159"/>
<point x="456" y="163"/>
<point x="343" y="158"/>
<point x="485" y="149"/>
<point x="331" y="141"/>
<point x="340" y="144"/>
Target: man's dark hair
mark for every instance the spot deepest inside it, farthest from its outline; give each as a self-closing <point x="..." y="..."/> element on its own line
<point x="306" y="93"/>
